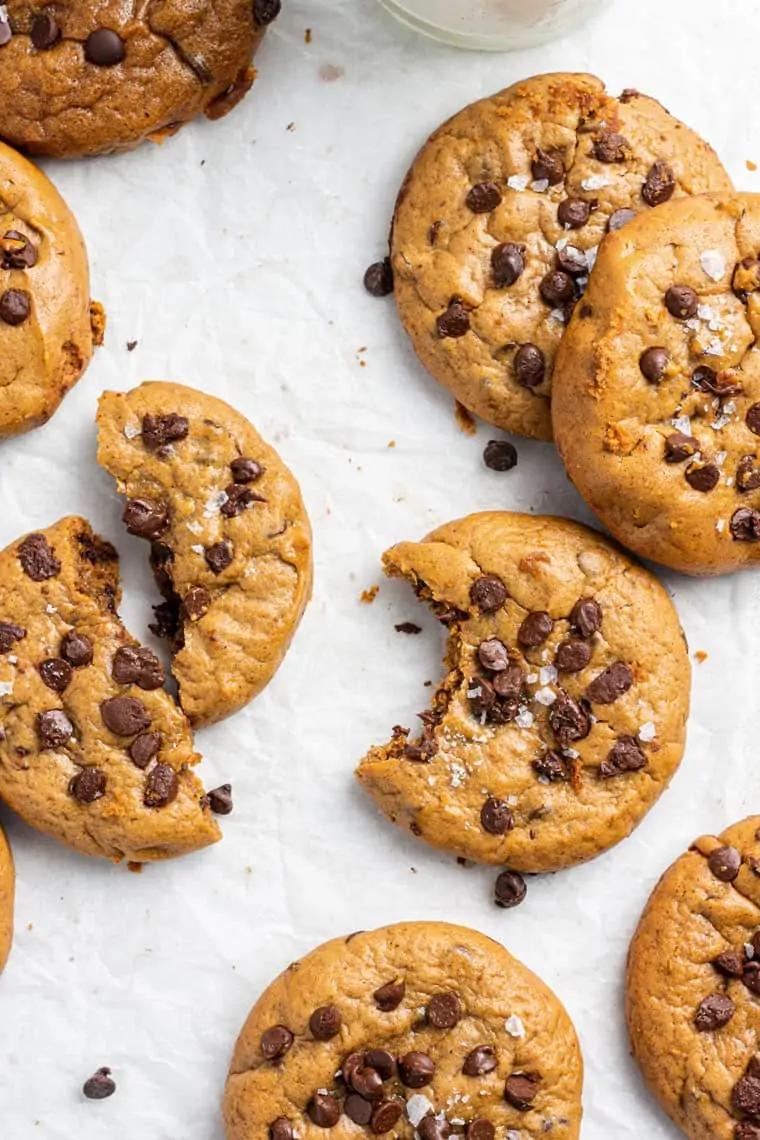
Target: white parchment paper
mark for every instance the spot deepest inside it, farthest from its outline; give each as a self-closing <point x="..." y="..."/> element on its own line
<point x="234" y="255"/>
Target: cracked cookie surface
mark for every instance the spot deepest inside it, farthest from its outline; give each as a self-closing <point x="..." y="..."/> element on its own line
<point x="7" y="889"/>
<point x="693" y="987"/>
<point x="420" y="1029"/>
<point x="498" y="223"/>
<point x="562" y="716"/>
<point x="98" y="77"/>
<point x="93" y="751"/>
<point x="230" y="538"/>
<point x="657" y="385"/>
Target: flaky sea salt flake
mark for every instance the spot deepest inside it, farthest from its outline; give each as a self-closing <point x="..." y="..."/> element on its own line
<point x="545" y="696"/>
<point x="524" y="719"/>
<point x="596" y="182"/>
<point x="518" y="181"/>
<point x="131" y="431"/>
<point x="6" y="688"/>
<point x="514" y="1026"/>
<point x="720" y="526"/>
<point x="541" y="185"/>
<point x="557" y="315"/>
<point x="417" y="1107"/>
<point x="647" y="732"/>
<point x="682" y="423"/>
<point x="548" y="674"/>
<point x="713" y="263"/>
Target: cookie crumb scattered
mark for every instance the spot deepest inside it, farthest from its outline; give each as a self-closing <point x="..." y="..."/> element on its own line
<point x="135" y="868"/>
<point x="307" y="36"/>
<point x="750" y="164"/>
<point x="391" y="443"/>
<point x="97" y="323"/>
<point x="368" y="596"/>
<point x="378" y="279"/>
<point x="100" y="1085"/>
<point x="700" y="656"/>
<point x="408" y="627"/>
<point x="290" y="127"/>
<point x="131" y="345"/>
<point x="465" y="422"/>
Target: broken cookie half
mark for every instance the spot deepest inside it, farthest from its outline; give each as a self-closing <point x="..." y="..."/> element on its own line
<point x="562" y="714"/>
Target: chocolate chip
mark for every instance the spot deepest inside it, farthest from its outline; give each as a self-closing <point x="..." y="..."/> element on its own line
<point x="507" y="263"/>
<point x="493" y="655"/>
<point x="218" y="557"/>
<point x="100" y="1085"/>
<point x="480" y="1061"/>
<point x="569" y="719"/>
<point x="265" y="11"/>
<point x="653" y="362"/>
<point x="730" y="963"/>
<point x="352" y="1062"/>
<point x="745" y="525"/>
<point x="37" y="558"/>
<point x="220" y="799"/>
<point x="386" y="1116"/>
<point x="367" y="1082"/>
<point x="161" y="786"/>
<point x="552" y="766"/>
<point x="714" y="1012"/>
<point x="586" y="617"/>
<point x="659" y="185"/>
<point x="144" y="748"/>
<point x="548" y="166"/>
<point x="510" y="890"/>
<point x="281" y="1129"/>
<point x="572" y="656"/>
<point x="325" y="1022"/>
<point x="679" y="446"/>
<point x="752" y="419"/>
<point x="748" y="474"/>
<point x="488" y="593"/>
<point x="500" y="455"/>
<point x="509" y="683"/>
<point x="530" y="366"/>
<point x="275" y="1042"/>
<point x="158" y="431"/>
<point x="746" y="278"/>
<point x="125" y="716"/>
<point x="611" y="147"/>
<point x="433" y="1128"/>
<point x="239" y="498"/>
<point x="390" y="996"/>
<point x="609" y="685"/>
<point x="357" y="1109"/>
<point x="725" y="863"/>
<point x="480" y="1129"/>
<point x="573" y="213"/>
<point x="18" y="252"/>
<point x="455" y="322"/>
<point x="535" y="629"/>
<point x="520" y="1090"/>
<point x="137" y="666"/>
<point x="572" y="261"/>
<point x="104" y="48"/>
<point x="751" y="977"/>
<point x="324" y="1110"/>
<point x="624" y="756"/>
<point x="56" y="673"/>
<point x="145" y="518"/>
<point x="89" y="785"/>
<point x="76" y="649"/>
<point x="746" y="1095"/>
<point x="378" y="279"/>
<point x="681" y="302"/>
<point x="495" y="817"/>
<point x="245" y="470"/>
<point x="416" y="1070"/>
<point x="54" y="728"/>
<point x="408" y="627"/>
<point x="444" y="1011"/>
<point x="721" y="384"/>
<point x="484" y="197"/>
<point x="620" y="218"/>
<point x="557" y="287"/>
<point x="702" y="476"/>
<point x="15" y="306"/>
<point x="747" y="1131"/>
<point x="381" y="1060"/>
<point x="9" y="635"/>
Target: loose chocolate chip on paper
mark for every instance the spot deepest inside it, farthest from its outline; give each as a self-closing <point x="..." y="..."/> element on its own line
<point x="659" y="185"/>
<point x="552" y="766"/>
<point x="137" y="666"/>
<point x="745" y="525"/>
<point x="56" y="673"/>
<point x="702" y="477"/>
<point x="520" y="1090"/>
<point x="18" y="252"/>
<point x="510" y="890"/>
<point x="76" y="649"/>
<point x="507" y="263"/>
<point x="548" y="166"/>
<point x="197" y="601"/>
<point x="143" y="748"/>
<point x="416" y="1070"/>
<point x="281" y="1129"/>
<point x="9" y="635"/>
<point x="573" y="213"/>
<point x="54" y="728"/>
<point x="89" y="785"/>
<point x="100" y="1085"/>
<point x="611" y="684"/>
<point x="483" y="197"/>
<point x="679" y="446"/>
<point x="275" y="1042"/>
<point x="714" y="1012"/>
<point x="158" y="431"/>
<point x="480" y="1129"/>
<point x="220" y="799"/>
<point x="535" y="629"/>
<point x="572" y="656"/>
<point x="390" y="996"/>
<point x="624" y="756"/>
<point x="245" y="470"/>
<point x="378" y="279"/>
<point x="455" y="321"/>
<point x="239" y="498"/>
<point x="620" y="218"/>
<point x="557" y="287"/>
<point x="45" y="31"/>
<point x="488" y="593"/>
<point x="386" y="1116"/>
<point x="444" y="1011"/>
<point x="653" y="362"/>
<point x="325" y="1022"/>
<point x="219" y="556"/>
<point x="610" y="147"/>
<point x="500" y="455"/>
<point x="681" y="302"/>
<point x="357" y="1109"/>
<point x="161" y="786"/>
<point x="529" y="365"/>
<point x="725" y="863"/>
<point x="265" y="11"/>
<point x="125" y="716"/>
<point x="37" y="558"/>
<point x="15" y="306"/>
<point x="145" y="518"/>
<point x="408" y="627"/>
<point x="480" y="1061"/>
<point x="104" y="47"/>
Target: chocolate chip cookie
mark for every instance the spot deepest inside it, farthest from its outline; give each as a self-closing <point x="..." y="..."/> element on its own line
<point x="693" y="998"/>
<point x="498" y="224"/>
<point x="93" y="751"/>
<point x="7" y="886"/>
<point x="561" y="718"/>
<point x="48" y="325"/>
<point x="230" y="538"/>
<point x="657" y="385"/>
<point x="90" y="78"/>
<point x="417" y="1030"/>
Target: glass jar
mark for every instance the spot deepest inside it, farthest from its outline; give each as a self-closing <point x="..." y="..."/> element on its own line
<point x="494" y="25"/>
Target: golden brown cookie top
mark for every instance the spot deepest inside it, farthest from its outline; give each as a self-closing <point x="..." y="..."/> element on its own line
<point x="693" y="985"/>
<point x="7" y="891"/>
<point x="498" y="223"/>
<point x="561" y="718"/>
<point x="657" y="411"/>
<point x="93" y="77"/>
<point x="230" y="538"/>
<point x="416" y="1029"/>
<point x="93" y="750"/>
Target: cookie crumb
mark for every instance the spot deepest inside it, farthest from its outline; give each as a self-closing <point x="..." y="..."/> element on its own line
<point x="135" y="868"/>
<point x="750" y="164"/>
<point x="700" y="656"/>
<point x="97" y="323"/>
<point x="30" y="926"/>
<point x="131" y="345"/>
<point x="290" y="127"/>
<point x="391" y="443"/>
<point x="408" y="627"/>
<point x="368" y="596"/>
<point x="307" y="36"/>
<point x="465" y="422"/>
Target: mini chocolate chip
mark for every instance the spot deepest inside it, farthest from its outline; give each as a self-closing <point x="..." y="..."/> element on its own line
<point x="500" y="455"/>
<point x="325" y="1022"/>
<point x="444" y="1011"/>
<point x="659" y="185"/>
<point x="745" y="525"/>
<point x="275" y="1042"/>
<point x="714" y="1012"/>
<point x="681" y="302"/>
<point x="510" y="890"/>
<point x="245" y="470"/>
<point x="145" y="518"/>
<point x="484" y="197"/>
<point x="9" y="635"/>
<point x="480" y="1129"/>
<point x="433" y="1128"/>
<point x="144" y="748"/>
<point x="158" y="431"/>
<point x="493" y="655"/>
<point x="76" y="649"/>
<point x="702" y="476"/>
<point x="125" y="716"/>
<point x="100" y="1085"/>
<point x="520" y="1090"/>
<point x="730" y="963"/>
<point x="529" y="365"/>
<point x="37" y="558"/>
<point x="548" y="166"/>
<point x="390" y="996"/>
<point x="557" y="287"/>
<point x="239" y="498"/>
<point x="748" y="474"/>
<point x="281" y="1129"/>
<point x="265" y="11"/>
<point x="488" y="593"/>
<point x="573" y="213"/>
<point x="535" y="629"/>
<point x="367" y="1082"/>
<point x="679" y="446"/>
<point x="89" y="785"/>
<point x="54" y="728"/>
<point x="552" y="766"/>
<point x="569" y="719"/>
<point x="746" y="1095"/>
<point x="480" y="1061"/>
<point x="137" y="666"/>
<point x="161" y="786"/>
<point x="416" y="1070"/>
<point x="357" y="1109"/>
<point x="386" y="1116"/>
<point x="220" y="799"/>
<point x="624" y="756"/>
<point x="455" y="321"/>
<point x="725" y="863"/>
<point x="653" y="362"/>
<point x="56" y="673"/>
<point x="620" y="218"/>
<point x="219" y="556"/>
<point x="611" y="147"/>
<point x="18" y="252"/>
<point x="324" y="1110"/>
<point x="509" y="683"/>
<point x="507" y="263"/>
<point x="610" y="684"/>
<point x="381" y="1060"/>
<point x="572" y="656"/>
<point x="15" y="306"/>
<point x="104" y="47"/>
<point x="752" y="419"/>
<point x="378" y="279"/>
<point x="572" y="261"/>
